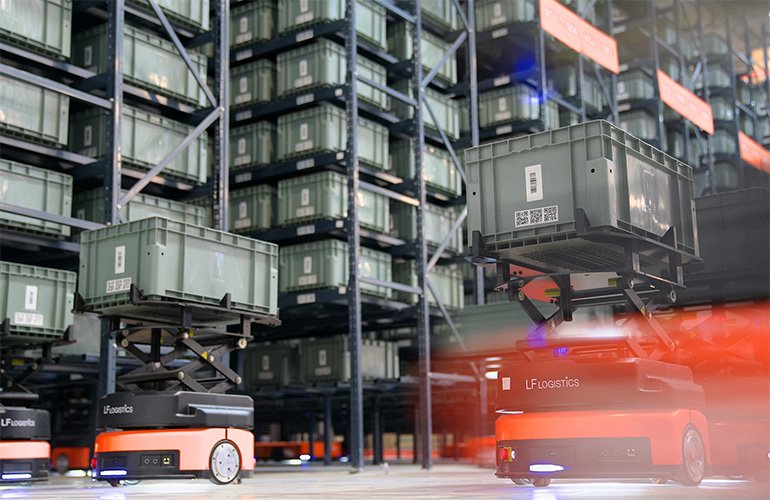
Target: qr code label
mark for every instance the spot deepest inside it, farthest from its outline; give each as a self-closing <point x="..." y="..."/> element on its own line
<point x="544" y="215"/>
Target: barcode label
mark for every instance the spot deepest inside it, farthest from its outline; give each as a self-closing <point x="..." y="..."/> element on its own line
<point x="28" y="319"/>
<point x="118" y="285"/>
<point x="303" y="82"/>
<point x="307" y="280"/>
<point x="305" y="211"/>
<point x="243" y="178"/>
<point x="533" y="182"/>
<point x="243" y="54"/>
<point x="242" y="223"/>
<point x="306" y="298"/>
<point x="501" y="80"/>
<point x="533" y="216"/>
<point x="243" y="115"/>
<point x="305" y="230"/>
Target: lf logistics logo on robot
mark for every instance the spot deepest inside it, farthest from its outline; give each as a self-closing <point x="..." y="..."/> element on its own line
<point x="561" y="383"/>
<point x="10" y="422"/>
<point x="115" y="410"/>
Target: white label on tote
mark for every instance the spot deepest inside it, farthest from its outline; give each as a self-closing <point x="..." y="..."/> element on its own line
<point x="307" y="265"/>
<point x="322" y="357"/>
<point x="310" y="279"/>
<point x="88" y="135"/>
<point x="303" y="132"/>
<point x="118" y="285"/>
<point x="243" y="24"/>
<point x="304" y="197"/>
<point x="30" y="298"/>
<point x="265" y="362"/>
<point x="120" y="259"/>
<point x="242" y="146"/>
<point x="533" y="183"/>
<point x="88" y="55"/>
<point x="243" y="210"/>
<point x="305" y="211"/>
<point x="305" y="298"/>
<point x="28" y="319"/>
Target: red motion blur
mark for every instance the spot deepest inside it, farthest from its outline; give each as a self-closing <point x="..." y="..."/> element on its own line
<point x="600" y="418"/>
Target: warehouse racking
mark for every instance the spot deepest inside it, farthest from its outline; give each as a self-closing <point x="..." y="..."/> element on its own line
<point x="345" y="308"/>
<point x="528" y="41"/>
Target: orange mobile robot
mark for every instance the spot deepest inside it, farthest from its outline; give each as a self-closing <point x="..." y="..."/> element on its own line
<point x="174" y="435"/>
<point x="604" y="418"/>
<point x="24" y="448"/>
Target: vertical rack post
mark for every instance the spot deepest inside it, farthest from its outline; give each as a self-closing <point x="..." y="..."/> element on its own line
<point x="734" y="93"/>
<point x="706" y="94"/>
<point x="613" y="77"/>
<point x="424" y="423"/>
<point x="221" y="181"/>
<point x="354" y="242"/>
<point x="656" y="66"/>
<point x="112" y="169"/>
<point x="478" y="282"/>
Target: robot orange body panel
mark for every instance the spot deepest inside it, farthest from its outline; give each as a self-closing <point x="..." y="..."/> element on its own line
<point x="167" y="452"/>
<point x="657" y="426"/>
<point x="14" y="450"/>
<point x="24" y="448"/>
<point x="623" y="417"/>
<point x="174" y="435"/>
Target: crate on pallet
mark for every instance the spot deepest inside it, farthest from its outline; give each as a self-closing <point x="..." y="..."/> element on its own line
<point x="566" y="82"/>
<point x="252" y="145"/>
<point x="594" y="168"/>
<point x="89" y="205"/>
<point x="327" y="360"/>
<point x="252" y="83"/>
<point x="717" y="75"/>
<point x="324" y="264"/>
<point x="725" y="176"/>
<point x="192" y="14"/>
<point x="85" y="335"/>
<point x="441" y="13"/>
<point x="432" y="50"/>
<point x="446" y="280"/>
<point x="294" y="15"/>
<point x="722" y="108"/>
<point x="37" y="189"/>
<point x="270" y="364"/>
<point x="676" y="147"/>
<point x="149" y="61"/>
<point x="324" y="196"/>
<point x="437" y="223"/>
<point x="252" y="22"/>
<point x="323" y="64"/>
<point x="173" y="261"/>
<point x="33" y="112"/>
<point x="445" y="109"/>
<point x="734" y="229"/>
<point x="438" y="170"/>
<point x="517" y="103"/>
<point x="639" y="123"/>
<point x="252" y="209"/>
<point x="323" y="129"/>
<point x="35" y="303"/>
<point x="42" y="25"/>
<point x="146" y="138"/>
<point x="493" y="13"/>
<point x="635" y="85"/>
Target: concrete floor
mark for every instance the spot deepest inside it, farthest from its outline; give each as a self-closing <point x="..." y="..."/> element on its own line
<point x="401" y="481"/>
